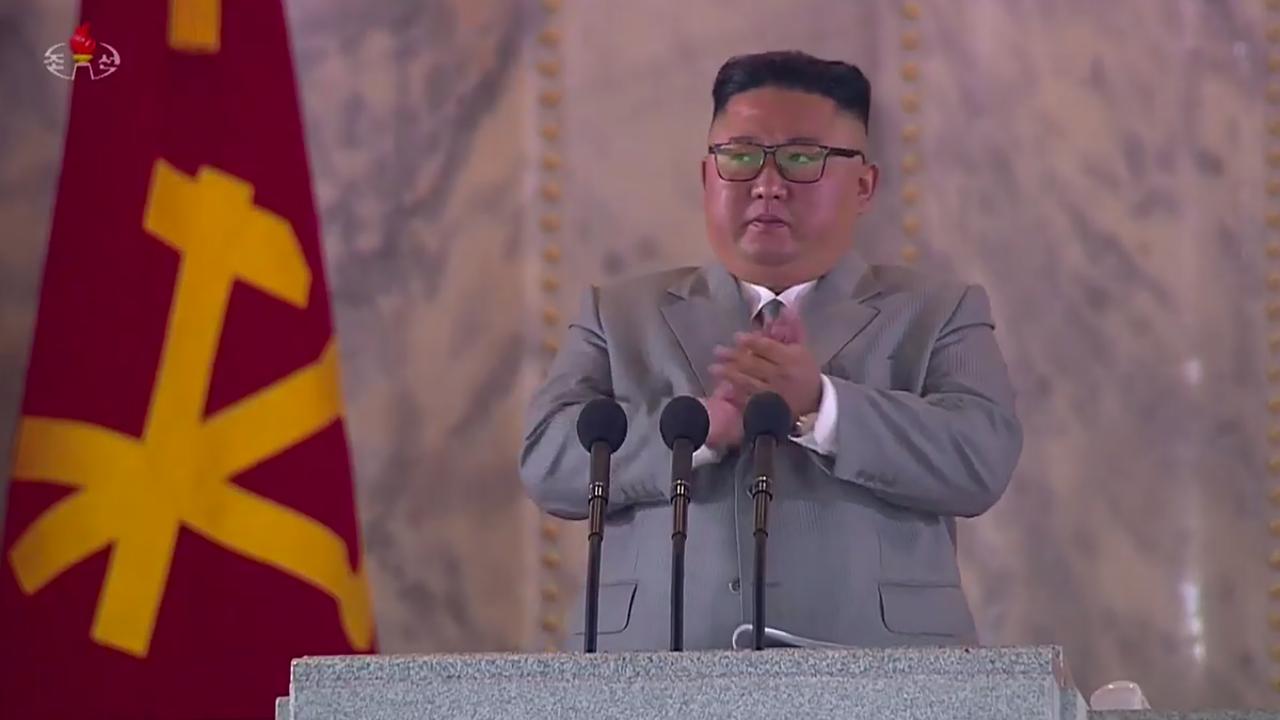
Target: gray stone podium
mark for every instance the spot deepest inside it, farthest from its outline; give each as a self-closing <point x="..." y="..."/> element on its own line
<point x="889" y="684"/>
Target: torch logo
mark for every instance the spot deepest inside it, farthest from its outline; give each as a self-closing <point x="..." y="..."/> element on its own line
<point x="66" y="59"/>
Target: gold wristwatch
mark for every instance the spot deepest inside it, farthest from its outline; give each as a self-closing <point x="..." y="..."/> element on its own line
<point x="804" y="425"/>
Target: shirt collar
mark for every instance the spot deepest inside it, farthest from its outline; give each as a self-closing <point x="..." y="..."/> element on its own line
<point x="757" y="295"/>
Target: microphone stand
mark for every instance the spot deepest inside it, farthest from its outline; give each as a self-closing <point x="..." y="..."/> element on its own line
<point x="761" y="494"/>
<point x="597" y="499"/>
<point x="681" y="469"/>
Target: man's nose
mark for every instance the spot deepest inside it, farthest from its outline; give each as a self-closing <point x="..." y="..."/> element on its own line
<point x="769" y="184"/>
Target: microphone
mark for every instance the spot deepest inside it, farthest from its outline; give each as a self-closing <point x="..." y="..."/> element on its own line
<point x="684" y="425"/>
<point x="765" y="422"/>
<point x="602" y="426"/>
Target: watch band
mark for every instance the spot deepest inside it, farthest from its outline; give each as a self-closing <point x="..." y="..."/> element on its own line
<point x="804" y="425"/>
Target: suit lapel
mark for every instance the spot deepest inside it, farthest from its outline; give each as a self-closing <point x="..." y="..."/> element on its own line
<point x="836" y="311"/>
<point x="706" y="309"/>
<point x="834" y="326"/>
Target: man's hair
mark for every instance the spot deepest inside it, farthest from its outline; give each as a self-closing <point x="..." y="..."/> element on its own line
<point x="794" y="70"/>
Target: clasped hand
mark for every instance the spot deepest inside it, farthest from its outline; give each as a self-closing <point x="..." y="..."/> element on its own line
<point x="773" y="359"/>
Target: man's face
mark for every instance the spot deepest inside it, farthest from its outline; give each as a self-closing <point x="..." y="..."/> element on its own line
<point x="772" y="231"/>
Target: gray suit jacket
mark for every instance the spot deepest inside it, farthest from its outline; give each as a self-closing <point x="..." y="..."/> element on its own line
<point x="862" y="545"/>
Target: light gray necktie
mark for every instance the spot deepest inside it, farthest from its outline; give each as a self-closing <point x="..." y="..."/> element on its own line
<point x="769" y="312"/>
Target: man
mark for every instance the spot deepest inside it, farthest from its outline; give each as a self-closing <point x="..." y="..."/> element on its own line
<point x="906" y="413"/>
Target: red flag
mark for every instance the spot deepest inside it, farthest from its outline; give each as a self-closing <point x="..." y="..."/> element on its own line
<point x="180" y="520"/>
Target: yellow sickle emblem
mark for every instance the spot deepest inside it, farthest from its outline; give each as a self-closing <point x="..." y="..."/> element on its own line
<point x="133" y="494"/>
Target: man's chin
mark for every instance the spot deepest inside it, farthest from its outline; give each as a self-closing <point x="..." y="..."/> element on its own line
<point x="769" y="256"/>
<point x="771" y="248"/>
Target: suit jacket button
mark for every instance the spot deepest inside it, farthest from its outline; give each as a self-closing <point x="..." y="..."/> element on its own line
<point x="735" y="586"/>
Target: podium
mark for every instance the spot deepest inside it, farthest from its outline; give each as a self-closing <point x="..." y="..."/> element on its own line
<point x="888" y="684"/>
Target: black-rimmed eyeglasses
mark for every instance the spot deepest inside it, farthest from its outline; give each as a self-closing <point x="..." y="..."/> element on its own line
<point x="796" y="162"/>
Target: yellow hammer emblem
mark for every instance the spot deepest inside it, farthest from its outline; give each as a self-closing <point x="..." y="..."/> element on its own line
<point x="134" y="493"/>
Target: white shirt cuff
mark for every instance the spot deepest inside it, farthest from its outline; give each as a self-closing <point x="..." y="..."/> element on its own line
<point x="705" y="456"/>
<point x="822" y="439"/>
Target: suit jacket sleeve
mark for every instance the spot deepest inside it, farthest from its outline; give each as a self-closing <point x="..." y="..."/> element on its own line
<point x="949" y="450"/>
<point x="553" y="465"/>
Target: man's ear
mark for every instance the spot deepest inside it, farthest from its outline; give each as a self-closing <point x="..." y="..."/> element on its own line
<point x="868" y="181"/>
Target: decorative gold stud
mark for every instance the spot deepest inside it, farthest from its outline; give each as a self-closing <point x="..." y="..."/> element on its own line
<point x="911" y="225"/>
<point x="549" y="37"/>
<point x="910" y="194"/>
<point x="549" y="68"/>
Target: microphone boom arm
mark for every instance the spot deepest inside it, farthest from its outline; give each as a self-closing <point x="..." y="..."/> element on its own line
<point x="681" y="469"/>
<point x="597" y="501"/>
<point x="762" y="494"/>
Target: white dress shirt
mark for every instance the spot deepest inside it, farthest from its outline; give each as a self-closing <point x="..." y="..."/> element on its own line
<point x="822" y="438"/>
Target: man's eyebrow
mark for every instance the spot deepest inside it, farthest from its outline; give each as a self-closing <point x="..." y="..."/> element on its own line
<point x="806" y="139"/>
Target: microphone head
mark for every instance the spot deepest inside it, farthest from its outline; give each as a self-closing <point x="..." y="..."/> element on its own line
<point x="684" y="418"/>
<point x="766" y="414"/>
<point x="602" y="420"/>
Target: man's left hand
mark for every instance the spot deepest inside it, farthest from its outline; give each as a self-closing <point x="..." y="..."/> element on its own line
<point x="757" y="363"/>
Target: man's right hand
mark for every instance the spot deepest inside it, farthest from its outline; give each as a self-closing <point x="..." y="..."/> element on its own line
<point x="725" y="407"/>
<point x="725" y="415"/>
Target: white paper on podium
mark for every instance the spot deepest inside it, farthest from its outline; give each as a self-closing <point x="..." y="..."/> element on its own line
<point x="775" y="638"/>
